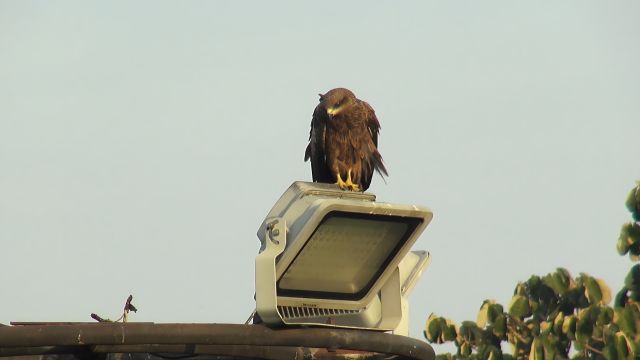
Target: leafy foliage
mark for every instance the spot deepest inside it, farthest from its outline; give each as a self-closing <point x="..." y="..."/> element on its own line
<point x="629" y="239"/>
<point x="556" y="316"/>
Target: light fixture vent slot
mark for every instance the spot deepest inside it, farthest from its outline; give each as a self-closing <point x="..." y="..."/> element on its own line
<point x="290" y="312"/>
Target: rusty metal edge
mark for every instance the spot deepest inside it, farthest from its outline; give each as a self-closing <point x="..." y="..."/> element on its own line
<point x="150" y="334"/>
<point x="43" y="350"/>
<point x="252" y="351"/>
<point x="242" y="351"/>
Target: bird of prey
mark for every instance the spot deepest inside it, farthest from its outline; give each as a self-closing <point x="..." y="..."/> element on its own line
<point x="343" y="142"/>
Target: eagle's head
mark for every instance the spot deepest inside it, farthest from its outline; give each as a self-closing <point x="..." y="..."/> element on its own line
<point x="337" y="100"/>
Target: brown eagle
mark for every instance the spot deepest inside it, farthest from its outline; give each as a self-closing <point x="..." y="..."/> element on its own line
<point x="343" y="142"/>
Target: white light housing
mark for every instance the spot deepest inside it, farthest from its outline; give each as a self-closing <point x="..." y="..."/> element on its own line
<point x="331" y="257"/>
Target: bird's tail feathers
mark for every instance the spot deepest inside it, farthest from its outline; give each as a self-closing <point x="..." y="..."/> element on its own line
<point x="307" y="153"/>
<point x="378" y="165"/>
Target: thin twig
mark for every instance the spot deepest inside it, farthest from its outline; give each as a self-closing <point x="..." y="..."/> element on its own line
<point x="128" y="306"/>
<point x="253" y="313"/>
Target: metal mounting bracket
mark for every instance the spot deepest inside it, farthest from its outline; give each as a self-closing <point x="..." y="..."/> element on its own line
<point x="274" y="244"/>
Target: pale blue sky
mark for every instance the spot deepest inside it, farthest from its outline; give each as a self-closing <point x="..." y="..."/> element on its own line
<point x="143" y="142"/>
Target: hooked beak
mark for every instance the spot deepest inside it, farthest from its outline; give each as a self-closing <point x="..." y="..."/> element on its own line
<point x="332" y="111"/>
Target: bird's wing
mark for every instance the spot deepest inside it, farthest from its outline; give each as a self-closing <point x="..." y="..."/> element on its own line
<point x="316" y="148"/>
<point x="372" y="123"/>
<point x="373" y="159"/>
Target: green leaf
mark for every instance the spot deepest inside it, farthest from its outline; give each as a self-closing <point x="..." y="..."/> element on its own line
<point x="622" y="345"/>
<point x="469" y="331"/>
<point x="576" y="298"/>
<point x="584" y="326"/>
<point x="609" y="352"/>
<point x="432" y="329"/>
<point x="622" y="297"/>
<point x="449" y="332"/>
<point x="634" y="347"/>
<point x="632" y="280"/>
<point x="550" y="347"/>
<point x="442" y="327"/>
<point x="633" y="239"/>
<point x="483" y="314"/>
<point x="591" y="289"/>
<point x="492" y="353"/>
<point x="605" y="290"/>
<point x="465" y="349"/>
<point x="533" y="284"/>
<point x="519" y="307"/>
<point x="445" y="356"/>
<point x="629" y="240"/>
<point x="557" y="323"/>
<point x="626" y="321"/>
<point x="495" y="311"/>
<point x="569" y="326"/>
<point x="545" y="327"/>
<point x="622" y="245"/>
<point x="533" y="325"/>
<point x="500" y="327"/>
<point x="537" y="350"/>
<point x="605" y="317"/>
<point x="633" y="203"/>
<point x="534" y="307"/>
<point x="559" y="281"/>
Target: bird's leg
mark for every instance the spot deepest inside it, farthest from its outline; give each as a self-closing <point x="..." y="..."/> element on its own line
<point x="343" y="185"/>
<point x="349" y="183"/>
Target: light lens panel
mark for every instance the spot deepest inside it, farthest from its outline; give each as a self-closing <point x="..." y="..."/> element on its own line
<point x="345" y="255"/>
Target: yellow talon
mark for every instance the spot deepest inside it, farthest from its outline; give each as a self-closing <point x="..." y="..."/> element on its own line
<point x="347" y="185"/>
<point x="350" y="184"/>
<point x="343" y="185"/>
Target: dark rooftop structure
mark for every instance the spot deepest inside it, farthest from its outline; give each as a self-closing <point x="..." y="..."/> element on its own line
<point x="150" y="341"/>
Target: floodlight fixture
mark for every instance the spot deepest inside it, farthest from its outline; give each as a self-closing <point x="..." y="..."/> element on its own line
<point x="338" y="258"/>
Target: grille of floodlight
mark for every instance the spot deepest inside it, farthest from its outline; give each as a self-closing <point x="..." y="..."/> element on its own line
<point x="292" y="312"/>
